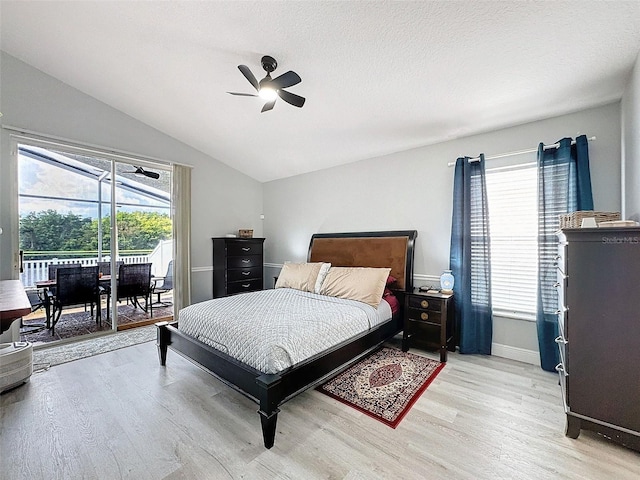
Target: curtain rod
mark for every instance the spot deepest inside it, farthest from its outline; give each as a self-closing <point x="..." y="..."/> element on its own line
<point x="518" y="152"/>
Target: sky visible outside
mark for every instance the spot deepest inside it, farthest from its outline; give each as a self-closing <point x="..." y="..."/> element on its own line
<point x="62" y="187"/>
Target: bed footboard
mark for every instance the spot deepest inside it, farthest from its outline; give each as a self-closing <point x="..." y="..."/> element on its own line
<point x="270" y="391"/>
<point x="263" y="389"/>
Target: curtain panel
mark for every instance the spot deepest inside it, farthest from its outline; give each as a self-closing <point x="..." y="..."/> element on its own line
<point x="181" y="203"/>
<point x="470" y="257"/>
<point x="564" y="186"/>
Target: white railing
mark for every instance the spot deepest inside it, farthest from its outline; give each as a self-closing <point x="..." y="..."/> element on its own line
<point x="38" y="270"/>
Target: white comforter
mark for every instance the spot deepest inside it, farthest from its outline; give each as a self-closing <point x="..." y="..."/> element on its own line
<point x="272" y="330"/>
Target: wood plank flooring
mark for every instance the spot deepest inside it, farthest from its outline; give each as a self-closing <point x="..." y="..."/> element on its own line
<point x="121" y="415"/>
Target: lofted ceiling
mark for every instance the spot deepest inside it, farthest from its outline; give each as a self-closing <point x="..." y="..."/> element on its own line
<point x="379" y="76"/>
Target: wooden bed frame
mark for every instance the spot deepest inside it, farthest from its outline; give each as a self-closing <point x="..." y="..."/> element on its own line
<point x="368" y="249"/>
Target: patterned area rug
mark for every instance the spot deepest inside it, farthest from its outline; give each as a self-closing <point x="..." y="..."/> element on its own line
<point x="385" y="384"/>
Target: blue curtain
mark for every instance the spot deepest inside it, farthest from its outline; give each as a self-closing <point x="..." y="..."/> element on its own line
<point x="564" y="186"/>
<point x="470" y="259"/>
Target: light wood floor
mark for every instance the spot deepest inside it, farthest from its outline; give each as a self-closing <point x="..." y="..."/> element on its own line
<point x="121" y="415"/>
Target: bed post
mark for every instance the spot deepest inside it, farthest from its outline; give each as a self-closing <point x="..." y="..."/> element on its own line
<point x="269" y="393"/>
<point x="162" y="341"/>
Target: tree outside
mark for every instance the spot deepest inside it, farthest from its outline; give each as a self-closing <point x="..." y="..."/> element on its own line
<point x="49" y="234"/>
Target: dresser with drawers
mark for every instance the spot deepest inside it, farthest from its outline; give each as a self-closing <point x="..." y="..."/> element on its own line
<point x="237" y="265"/>
<point x="599" y="331"/>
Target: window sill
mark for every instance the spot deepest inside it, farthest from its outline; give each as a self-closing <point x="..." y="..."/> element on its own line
<point x="526" y="316"/>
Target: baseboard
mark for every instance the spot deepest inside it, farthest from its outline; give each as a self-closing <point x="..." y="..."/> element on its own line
<point x="515" y="353"/>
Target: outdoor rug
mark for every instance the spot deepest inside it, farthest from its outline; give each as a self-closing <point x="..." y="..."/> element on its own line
<point x="76" y="322"/>
<point x="385" y="384"/>
<point x="44" y="358"/>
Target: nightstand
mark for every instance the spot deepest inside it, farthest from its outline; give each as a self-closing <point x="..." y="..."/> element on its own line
<point x="428" y="322"/>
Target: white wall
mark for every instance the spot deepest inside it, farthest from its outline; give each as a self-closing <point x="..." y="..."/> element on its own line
<point x="631" y="145"/>
<point x="223" y="200"/>
<point x="413" y="190"/>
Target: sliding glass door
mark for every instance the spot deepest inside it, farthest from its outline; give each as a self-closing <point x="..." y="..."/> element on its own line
<point x="70" y="203"/>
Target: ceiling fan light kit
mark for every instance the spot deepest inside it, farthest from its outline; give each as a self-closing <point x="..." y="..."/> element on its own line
<point x="269" y="89"/>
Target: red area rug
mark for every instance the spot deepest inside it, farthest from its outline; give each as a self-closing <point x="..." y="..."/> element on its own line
<point x="385" y="384"/>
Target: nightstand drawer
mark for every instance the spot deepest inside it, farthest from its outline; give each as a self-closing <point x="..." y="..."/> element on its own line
<point x="430" y="316"/>
<point x="424" y="303"/>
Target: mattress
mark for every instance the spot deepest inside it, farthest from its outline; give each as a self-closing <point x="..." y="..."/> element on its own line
<point x="272" y="330"/>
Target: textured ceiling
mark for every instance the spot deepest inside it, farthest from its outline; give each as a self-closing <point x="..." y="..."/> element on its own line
<point x="379" y="77"/>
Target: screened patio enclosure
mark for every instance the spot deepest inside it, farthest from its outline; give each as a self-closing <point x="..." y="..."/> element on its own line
<point x="70" y="204"/>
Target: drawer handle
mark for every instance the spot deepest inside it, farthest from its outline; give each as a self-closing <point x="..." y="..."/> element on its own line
<point x="560" y="369"/>
<point x="557" y="257"/>
<point x="246" y="249"/>
<point x="557" y="284"/>
<point x="246" y="285"/>
<point x="560" y="340"/>
<point x="246" y="273"/>
<point x="424" y="304"/>
<point x="245" y="260"/>
<point x="424" y="316"/>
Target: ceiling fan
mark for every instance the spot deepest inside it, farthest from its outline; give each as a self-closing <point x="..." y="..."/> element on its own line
<point x="142" y="172"/>
<point x="270" y="89"/>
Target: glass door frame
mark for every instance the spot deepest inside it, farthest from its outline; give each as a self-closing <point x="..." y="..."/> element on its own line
<point x="114" y="158"/>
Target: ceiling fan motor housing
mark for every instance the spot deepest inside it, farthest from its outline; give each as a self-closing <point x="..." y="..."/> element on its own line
<point x="269" y="64"/>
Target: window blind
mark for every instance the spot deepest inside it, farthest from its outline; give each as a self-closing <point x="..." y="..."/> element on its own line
<point x="513" y="227"/>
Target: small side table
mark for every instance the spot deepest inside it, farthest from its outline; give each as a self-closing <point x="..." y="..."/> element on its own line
<point x="428" y="321"/>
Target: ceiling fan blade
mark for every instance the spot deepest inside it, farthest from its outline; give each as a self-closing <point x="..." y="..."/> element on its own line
<point x="154" y="175"/>
<point x="146" y="173"/>
<point x="249" y="76"/>
<point x="291" y="98"/>
<point x="243" y="94"/>
<point x="268" y="106"/>
<point x="287" y="79"/>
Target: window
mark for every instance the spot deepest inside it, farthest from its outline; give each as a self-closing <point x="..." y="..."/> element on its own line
<point x="513" y="226"/>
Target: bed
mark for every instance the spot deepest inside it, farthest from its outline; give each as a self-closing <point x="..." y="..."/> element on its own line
<point x="390" y="249"/>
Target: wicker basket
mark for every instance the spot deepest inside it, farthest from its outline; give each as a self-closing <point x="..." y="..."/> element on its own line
<point x="245" y="233"/>
<point x="574" y="220"/>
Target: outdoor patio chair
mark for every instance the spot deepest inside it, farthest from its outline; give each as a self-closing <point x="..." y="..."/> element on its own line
<point x="165" y="287"/>
<point x="134" y="283"/>
<point x="105" y="267"/>
<point x="53" y="269"/>
<point x="37" y="302"/>
<point x="75" y="286"/>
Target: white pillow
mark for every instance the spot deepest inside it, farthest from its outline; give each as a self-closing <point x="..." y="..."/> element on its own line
<point x="356" y="283"/>
<point x="301" y="276"/>
<point x="324" y="269"/>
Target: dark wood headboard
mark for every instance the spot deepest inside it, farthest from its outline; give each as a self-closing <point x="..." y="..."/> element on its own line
<point x="393" y="249"/>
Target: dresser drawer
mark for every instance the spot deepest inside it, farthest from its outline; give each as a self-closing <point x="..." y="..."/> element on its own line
<point x="241" y="274"/>
<point x="244" y="248"/>
<point x="562" y="377"/>
<point x="562" y="348"/>
<point x="424" y="303"/>
<point x="244" y="286"/>
<point x="245" y="261"/>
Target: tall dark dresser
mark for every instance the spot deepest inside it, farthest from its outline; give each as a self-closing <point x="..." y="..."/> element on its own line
<point x="599" y="331"/>
<point x="237" y="265"/>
